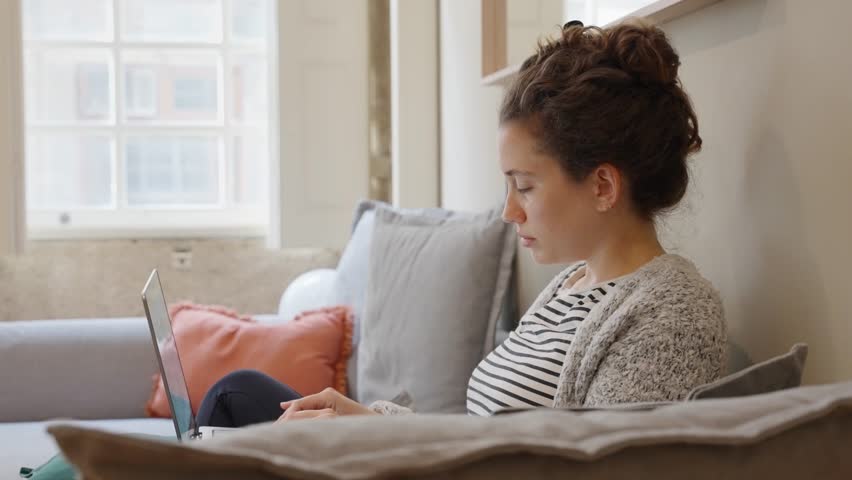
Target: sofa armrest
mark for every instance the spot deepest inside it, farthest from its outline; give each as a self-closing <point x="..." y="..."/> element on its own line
<point x="86" y="369"/>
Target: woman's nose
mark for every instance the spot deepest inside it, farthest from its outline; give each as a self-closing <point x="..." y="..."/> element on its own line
<point x="512" y="212"/>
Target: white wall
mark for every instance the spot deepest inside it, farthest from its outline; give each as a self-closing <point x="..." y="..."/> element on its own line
<point x="470" y="173"/>
<point x="323" y="114"/>
<point x="414" y="102"/>
<point x="766" y="218"/>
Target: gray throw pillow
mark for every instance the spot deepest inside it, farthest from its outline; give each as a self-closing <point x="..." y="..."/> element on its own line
<point x="778" y="373"/>
<point x="436" y="287"/>
<point x="354" y="269"/>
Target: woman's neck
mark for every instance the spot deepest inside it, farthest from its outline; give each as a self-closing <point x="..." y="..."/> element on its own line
<point x="622" y="254"/>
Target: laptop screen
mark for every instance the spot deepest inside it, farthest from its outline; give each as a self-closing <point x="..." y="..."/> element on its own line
<point x="170" y="366"/>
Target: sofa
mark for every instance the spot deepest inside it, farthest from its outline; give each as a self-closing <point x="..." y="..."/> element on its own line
<point x="97" y="372"/>
<point x="794" y="433"/>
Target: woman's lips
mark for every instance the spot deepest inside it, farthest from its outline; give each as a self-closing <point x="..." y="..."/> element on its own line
<point x="527" y="241"/>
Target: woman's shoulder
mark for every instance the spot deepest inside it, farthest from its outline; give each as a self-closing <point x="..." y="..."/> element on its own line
<point x="680" y="298"/>
<point x="674" y="277"/>
<point x="667" y="275"/>
<point x="667" y="281"/>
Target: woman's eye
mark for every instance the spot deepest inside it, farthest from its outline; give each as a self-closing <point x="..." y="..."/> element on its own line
<point x="524" y="189"/>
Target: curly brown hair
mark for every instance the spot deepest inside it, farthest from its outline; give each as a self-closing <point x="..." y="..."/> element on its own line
<point x="611" y="95"/>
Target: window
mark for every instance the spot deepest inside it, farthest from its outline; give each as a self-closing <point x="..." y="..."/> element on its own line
<point x="147" y="116"/>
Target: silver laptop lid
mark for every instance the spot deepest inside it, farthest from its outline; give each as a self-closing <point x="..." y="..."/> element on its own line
<point x="167" y="355"/>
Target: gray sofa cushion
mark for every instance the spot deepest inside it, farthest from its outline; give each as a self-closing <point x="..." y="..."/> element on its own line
<point x="777" y="373"/>
<point x="436" y="286"/>
<point x="792" y="434"/>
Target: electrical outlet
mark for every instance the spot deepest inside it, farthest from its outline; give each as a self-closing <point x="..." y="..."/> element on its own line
<point x="182" y="259"/>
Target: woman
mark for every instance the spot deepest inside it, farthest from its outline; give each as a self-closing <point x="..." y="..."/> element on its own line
<point x="594" y="137"/>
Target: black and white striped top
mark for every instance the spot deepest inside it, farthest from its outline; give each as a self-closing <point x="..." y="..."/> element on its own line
<point x="524" y="370"/>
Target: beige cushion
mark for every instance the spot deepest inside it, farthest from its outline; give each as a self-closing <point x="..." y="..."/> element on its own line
<point x="797" y="433"/>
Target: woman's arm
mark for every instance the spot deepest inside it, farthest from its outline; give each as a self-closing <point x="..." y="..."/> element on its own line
<point x="661" y="358"/>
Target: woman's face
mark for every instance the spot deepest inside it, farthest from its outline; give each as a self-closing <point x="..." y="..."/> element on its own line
<point x="557" y="218"/>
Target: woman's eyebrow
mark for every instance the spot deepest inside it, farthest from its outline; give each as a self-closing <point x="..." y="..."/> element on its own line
<point x="514" y="172"/>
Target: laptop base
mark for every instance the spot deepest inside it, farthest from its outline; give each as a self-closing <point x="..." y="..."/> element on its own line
<point x="205" y="433"/>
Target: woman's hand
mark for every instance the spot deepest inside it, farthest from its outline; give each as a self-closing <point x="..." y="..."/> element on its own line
<point x="327" y="404"/>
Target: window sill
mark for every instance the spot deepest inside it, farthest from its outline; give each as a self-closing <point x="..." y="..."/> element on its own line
<point x="37" y="234"/>
<point x="137" y="224"/>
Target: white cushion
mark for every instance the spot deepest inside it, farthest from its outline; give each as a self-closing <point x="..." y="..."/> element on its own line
<point x="310" y="290"/>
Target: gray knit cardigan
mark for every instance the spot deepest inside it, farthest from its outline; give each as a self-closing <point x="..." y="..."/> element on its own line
<point x="654" y="338"/>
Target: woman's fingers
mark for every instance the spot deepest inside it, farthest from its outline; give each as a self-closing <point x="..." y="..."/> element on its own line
<point x="309" y="414"/>
<point x="307" y="404"/>
<point x="291" y="407"/>
<point x="327" y="404"/>
<point x="317" y="401"/>
<point x="328" y="416"/>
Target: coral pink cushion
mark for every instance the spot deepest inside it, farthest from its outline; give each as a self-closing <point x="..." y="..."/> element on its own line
<point x="308" y="353"/>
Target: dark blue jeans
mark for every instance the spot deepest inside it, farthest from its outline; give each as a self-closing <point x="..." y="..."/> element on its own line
<point x="243" y="397"/>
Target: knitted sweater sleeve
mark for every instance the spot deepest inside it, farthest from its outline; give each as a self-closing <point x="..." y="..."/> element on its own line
<point x="384" y="407"/>
<point x="664" y="354"/>
<point x="398" y="405"/>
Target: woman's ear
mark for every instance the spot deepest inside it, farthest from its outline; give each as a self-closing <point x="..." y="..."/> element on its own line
<point x="607" y="182"/>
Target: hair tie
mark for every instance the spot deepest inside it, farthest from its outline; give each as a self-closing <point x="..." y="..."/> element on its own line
<point x="572" y="23"/>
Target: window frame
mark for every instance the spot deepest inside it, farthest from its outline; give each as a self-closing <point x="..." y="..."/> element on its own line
<point x="121" y="220"/>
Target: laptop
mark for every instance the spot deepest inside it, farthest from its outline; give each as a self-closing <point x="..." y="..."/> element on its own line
<point x="171" y="370"/>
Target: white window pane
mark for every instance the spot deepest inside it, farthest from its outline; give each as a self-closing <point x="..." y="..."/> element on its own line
<point x="72" y="20"/>
<point x="167" y="170"/>
<point x="69" y="86"/>
<point x="171" y="88"/>
<point x="172" y="20"/>
<point x="140" y="92"/>
<point x="248" y="20"/>
<point x="249" y="89"/>
<point x="67" y="171"/>
<point x="249" y="168"/>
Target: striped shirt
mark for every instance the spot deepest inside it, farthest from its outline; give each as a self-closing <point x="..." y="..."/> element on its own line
<point x="524" y="370"/>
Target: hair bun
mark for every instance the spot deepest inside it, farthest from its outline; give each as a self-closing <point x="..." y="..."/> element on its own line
<point x="644" y="52"/>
